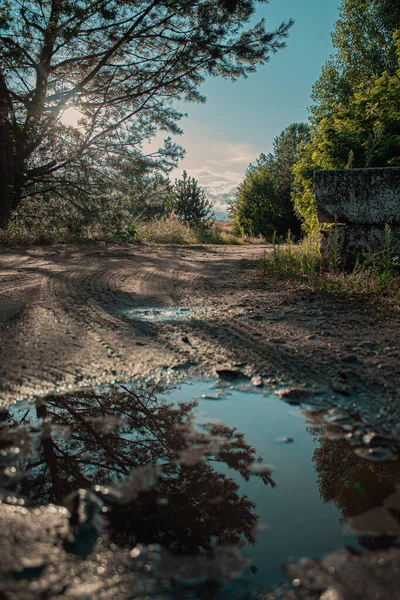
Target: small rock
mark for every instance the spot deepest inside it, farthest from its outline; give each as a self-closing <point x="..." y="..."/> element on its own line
<point x="377" y="454"/>
<point x="337" y="416"/>
<point x="367" y="344"/>
<point x="230" y="374"/>
<point x="369" y="437"/>
<point x="211" y="396"/>
<point x="294" y="395"/>
<point x="349" y="358"/>
<point x="341" y="388"/>
<point x="257" y="381"/>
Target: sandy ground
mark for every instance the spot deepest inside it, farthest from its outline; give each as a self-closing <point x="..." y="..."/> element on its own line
<point x="64" y="325"/>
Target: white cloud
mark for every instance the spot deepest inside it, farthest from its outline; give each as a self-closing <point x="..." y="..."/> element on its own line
<point x="219" y="167"/>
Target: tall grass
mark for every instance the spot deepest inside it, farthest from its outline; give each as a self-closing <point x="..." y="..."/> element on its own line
<point x="173" y="231"/>
<point x="163" y="231"/>
<point x="303" y="263"/>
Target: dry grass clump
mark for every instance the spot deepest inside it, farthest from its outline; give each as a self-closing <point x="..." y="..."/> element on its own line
<point x="378" y="275"/>
<point x="166" y="231"/>
<point x="173" y="231"/>
<point x="161" y="231"/>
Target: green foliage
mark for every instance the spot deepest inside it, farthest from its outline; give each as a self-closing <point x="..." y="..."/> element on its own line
<point x="133" y="233"/>
<point x="360" y="131"/>
<point x="263" y="204"/>
<point x="285" y="151"/>
<point x="257" y="207"/>
<point x="386" y="262"/>
<point x="190" y="203"/>
<point x="139" y="186"/>
<point x="365" y="48"/>
<point x="126" y="191"/>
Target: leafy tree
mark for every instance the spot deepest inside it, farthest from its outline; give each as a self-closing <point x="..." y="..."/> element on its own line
<point x="109" y="201"/>
<point x="363" y="133"/>
<point x="349" y="482"/>
<point x="121" y="64"/>
<point x="365" y="47"/>
<point x="264" y="204"/>
<point x="191" y="204"/>
<point x="285" y="151"/>
<point x="355" y="115"/>
<point x="258" y="164"/>
<point x="257" y="206"/>
<point x="141" y="188"/>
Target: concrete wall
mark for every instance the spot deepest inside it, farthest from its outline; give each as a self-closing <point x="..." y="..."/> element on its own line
<point x="362" y="201"/>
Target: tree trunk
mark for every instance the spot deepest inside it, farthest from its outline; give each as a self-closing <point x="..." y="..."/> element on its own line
<point x="6" y="156"/>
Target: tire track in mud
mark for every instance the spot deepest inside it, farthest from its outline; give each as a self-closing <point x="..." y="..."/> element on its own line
<point x="232" y="343"/>
<point x="99" y="299"/>
<point x="72" y="327"/>
<point x="78" y="315"/>
<point x="85" y="296"/>
<point x="248" y="345"/>
<point x="10" y="282"/>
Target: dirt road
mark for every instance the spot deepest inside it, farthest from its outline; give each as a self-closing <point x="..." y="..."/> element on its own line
<point x="66" y="322"/>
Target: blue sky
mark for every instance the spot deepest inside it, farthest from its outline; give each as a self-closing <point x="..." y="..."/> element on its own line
<point x="241" y="119"/>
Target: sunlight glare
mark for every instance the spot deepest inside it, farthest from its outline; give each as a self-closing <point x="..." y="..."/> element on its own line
<point x="71" y="116"/>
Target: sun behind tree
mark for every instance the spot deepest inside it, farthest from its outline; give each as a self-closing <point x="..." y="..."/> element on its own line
<point x="123" y="65"/>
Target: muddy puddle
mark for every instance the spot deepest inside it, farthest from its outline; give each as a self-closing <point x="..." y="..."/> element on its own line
<point x="158" y="315"/>
<point x="224" y="482"/>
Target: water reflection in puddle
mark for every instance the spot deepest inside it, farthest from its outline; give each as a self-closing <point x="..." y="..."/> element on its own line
<point x="155" y="315"/>
<point x="194" y="474"/>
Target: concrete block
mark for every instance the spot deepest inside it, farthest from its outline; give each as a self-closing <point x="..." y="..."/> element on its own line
<point x="358" y="196"/>
<point x="351" y="242"/>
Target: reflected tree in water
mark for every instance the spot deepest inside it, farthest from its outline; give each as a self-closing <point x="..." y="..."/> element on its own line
<point x="87" y="438"/>
<point x="354" y="484"/>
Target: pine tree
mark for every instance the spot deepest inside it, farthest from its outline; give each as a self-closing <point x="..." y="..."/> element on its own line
<point x="191" y="204"/>
<point x="121" y="65"/>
